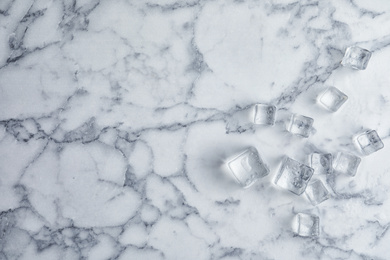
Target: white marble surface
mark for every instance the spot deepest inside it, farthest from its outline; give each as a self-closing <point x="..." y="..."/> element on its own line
<point x="116" y="116"/>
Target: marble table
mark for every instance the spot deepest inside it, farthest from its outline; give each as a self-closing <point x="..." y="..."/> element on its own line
<point x="116" y="117"/>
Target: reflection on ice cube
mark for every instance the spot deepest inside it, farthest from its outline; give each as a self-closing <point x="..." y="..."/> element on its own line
<point x="247" y="167"/>
<point x="332" y="99"/>
<point x="306" y="225"/>
<point x="356" y="58"/>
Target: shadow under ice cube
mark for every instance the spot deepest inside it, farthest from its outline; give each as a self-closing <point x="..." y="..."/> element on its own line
<point x="346" y="163"/>
<point x="293" y="176"/>
<point x="356" y="58"/>
<point x="306" y="225"/>
<point x="321" y="163"/>
<point x="332" y="99"/>
<point x="316" y="192"/>
<point x="247" y="167"/>
<point x="264" y="114"/>
<point x="369" y="142"/>
<point x="300" y="125"/>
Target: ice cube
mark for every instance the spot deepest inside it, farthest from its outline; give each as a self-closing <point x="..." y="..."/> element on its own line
<point x="369" y="142"/>
<point x="264" y="114"/>
<point x="321" y="163"/>
<point x="356" y="58"/>
<point x="293" y="176"/>
<point x="247" y="167"/>
<point x="332" y="99"/>
<point x="316" y="192"/>
<point x="346" y="163"/>
<point x="306" y="225"/>
<point x="300" y="125"/>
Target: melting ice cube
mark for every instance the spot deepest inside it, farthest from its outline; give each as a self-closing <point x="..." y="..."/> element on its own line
<point x="264" y="114"/>
<point x="300" y="125"/>
<point x="247" y="167"/>
<point x="332" y="99"/>
<point x="356" y="58"/>
<point x="316" y="192"/>
<point x="306" y="225"/>
<point x="346" y="163"/>
<point x="293" y="176"/>
<point x="369" y="142"/>
<point x="321" y="163"/>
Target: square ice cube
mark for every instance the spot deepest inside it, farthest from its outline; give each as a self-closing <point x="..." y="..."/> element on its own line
<point x="346" y="163"/>
<point x="300" y="125"/>
<point x="306" y="225"/>
<point x="356" y="58"/>
<point x="369" y="142"/>
<point x="264" y="114"/>
<point x="247" y="167"/>
<point x="321" y="163"/>
<point x="293" y="176"/>
<point x="316" y="192"/>
<point x="332" y="99"/>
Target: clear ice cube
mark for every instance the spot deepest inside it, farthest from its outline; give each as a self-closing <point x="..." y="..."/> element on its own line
<point x="300" y="125"/>
<point x="332" y="99"/>
<point x="306" y="225"/>
<point x="247" y="167"/>
<point x="264" y="114"/>
<point x="356" y="58"/>
<point x="293" y="176"/>
<point x="346" y="163"/>
<point x="369" y="142"/>
<point x="321" y="163"/>
<point x="316" y="192"/>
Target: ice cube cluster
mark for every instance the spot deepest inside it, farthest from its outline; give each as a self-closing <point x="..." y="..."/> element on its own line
<point x="247" y="166"/>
